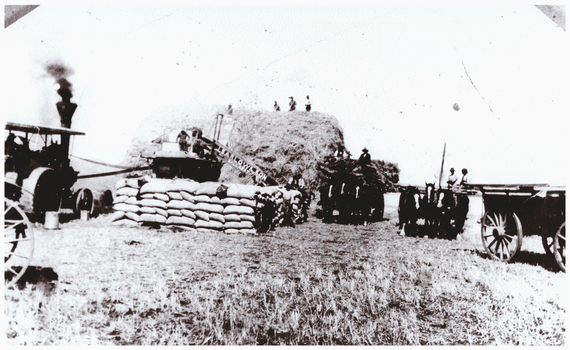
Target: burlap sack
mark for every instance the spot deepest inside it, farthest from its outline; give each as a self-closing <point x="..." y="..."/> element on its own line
<point x="230" y="201"/>
<point x="208" y="188"/>
<point x="174" y="195"/>
<point x="217" y="217"/>
<point x="132" y="216"/>
<point x="188" y="213"/>
<point x="161" y="211"/>
<point x="242" y="191"/>
<point x="153" y="203"/>
<point x="120" y="199"/>
<point x="127" y="191"/>
<point x="175" y="204"/>
<point x="213" y="225"/>
<point x="160" y="196"/>
<point x="180" y="220"/>
<point x="126" y="207"/>
<point x="152" y="218"/>
<point x="231" y="217"/>
<point x="187" y="185"/>
<point x="187" y="196"/>
<point x="147" y="210"/>
<point x="210" y="208"/>
<point x="238" y="209"/>
<point x="174" y="212"/>
<point x="117" y="215"/>
<point x="202" y="215"/>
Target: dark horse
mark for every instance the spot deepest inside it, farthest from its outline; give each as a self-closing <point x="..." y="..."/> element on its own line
<point x="428" y="208"/>
<point x="452" y="209"/>
<point x="408" y="208"/>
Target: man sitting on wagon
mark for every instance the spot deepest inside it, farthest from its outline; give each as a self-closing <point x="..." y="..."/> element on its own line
<point x="452" y="178"/>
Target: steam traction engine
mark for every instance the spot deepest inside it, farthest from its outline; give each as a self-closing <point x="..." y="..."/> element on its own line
<point x="38" y="180"/>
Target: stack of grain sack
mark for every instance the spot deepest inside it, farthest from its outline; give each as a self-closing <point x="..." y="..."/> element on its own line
<point x="230" y="208"/>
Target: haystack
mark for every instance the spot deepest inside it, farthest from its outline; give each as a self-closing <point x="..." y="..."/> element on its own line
<point x="284" y="143"/>
<point x="281" y="143"/>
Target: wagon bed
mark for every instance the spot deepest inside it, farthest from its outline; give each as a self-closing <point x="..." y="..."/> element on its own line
<point x="512" y="211"/>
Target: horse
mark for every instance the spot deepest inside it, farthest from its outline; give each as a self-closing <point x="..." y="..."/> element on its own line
<point x="452" y="212"/>
<point x="408" y="208"/>
<point x="428" y="207"/>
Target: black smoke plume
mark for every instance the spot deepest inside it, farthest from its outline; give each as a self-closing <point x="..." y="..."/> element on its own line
<point x="60" y="72"/>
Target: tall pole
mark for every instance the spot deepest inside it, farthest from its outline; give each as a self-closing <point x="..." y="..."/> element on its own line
<point x="442" y="161"/>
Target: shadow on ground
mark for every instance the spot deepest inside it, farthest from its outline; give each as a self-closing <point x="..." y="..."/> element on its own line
<point x="42" y="277"/>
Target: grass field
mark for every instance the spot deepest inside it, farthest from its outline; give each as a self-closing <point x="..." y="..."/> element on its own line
<point x="313" y="284"/>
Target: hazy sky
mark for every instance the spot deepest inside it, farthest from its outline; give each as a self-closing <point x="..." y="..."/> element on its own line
<point x="390" y="74"/>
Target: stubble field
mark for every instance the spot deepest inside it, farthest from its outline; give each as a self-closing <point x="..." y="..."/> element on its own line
<point x="312" y="284"/>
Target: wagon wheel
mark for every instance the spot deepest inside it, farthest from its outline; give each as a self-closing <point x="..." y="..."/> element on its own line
<point x="502" y="234"/>
<point x="18" y="241"/>
<point x="560" y="247"/>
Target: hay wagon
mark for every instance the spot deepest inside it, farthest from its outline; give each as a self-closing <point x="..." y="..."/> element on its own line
<point x="514" y="211"/>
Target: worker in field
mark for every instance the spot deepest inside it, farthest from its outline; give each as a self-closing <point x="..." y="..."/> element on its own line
<point x="452" y="178"/>
<point x="308" y="104"/>
<point x="230" y="110"/>
<point x="292" y="104"/>
<point x="364" y="158"/>
<point x="276" y="106"/>
<point x="182" y="140"/>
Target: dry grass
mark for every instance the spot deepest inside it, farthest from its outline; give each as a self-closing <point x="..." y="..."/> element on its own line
<point x="313" y="284"/>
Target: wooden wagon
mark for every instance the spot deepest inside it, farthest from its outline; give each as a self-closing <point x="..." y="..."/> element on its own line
<point x="517" y="210"/>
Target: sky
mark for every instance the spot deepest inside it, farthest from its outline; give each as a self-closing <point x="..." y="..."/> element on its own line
<point x="489" y="82"/>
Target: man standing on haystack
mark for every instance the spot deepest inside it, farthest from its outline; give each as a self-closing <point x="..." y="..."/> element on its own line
<point x="292" y="104"/>
<point x="308" y="104"/>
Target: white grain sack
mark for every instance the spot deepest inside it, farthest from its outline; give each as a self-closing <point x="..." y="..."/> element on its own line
<point x="153" y="218"/>
<point x="188" y="213"/>
<point x="174" y="195"/>
<point x="180" y="220"/>
<point x="126" y="207"/>
<point x="127" y="191"/>
<point x="236" y="209"/>
<point x="160" y="196"/>
<point x="174" y="212"/>
<point x="174" y="204"/>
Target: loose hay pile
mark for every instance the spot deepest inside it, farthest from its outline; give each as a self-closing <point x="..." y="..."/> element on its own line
<point x="284" y="143"/>
<point x="231" y="208"/>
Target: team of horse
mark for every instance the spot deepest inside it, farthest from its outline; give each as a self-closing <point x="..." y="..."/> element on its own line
<point x="351" y="202"/>
<point x="442" y="211"/>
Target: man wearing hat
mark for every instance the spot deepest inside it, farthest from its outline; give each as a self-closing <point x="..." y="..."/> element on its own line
<point x="452" y="178"/>
<point x="292" y="104"/>
<point x="364" y="157"/>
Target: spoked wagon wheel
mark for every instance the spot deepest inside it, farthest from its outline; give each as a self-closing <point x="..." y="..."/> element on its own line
<point x="501" y="234"/>
<point x="560" y="247"/>
<point x="18" y="241"/>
